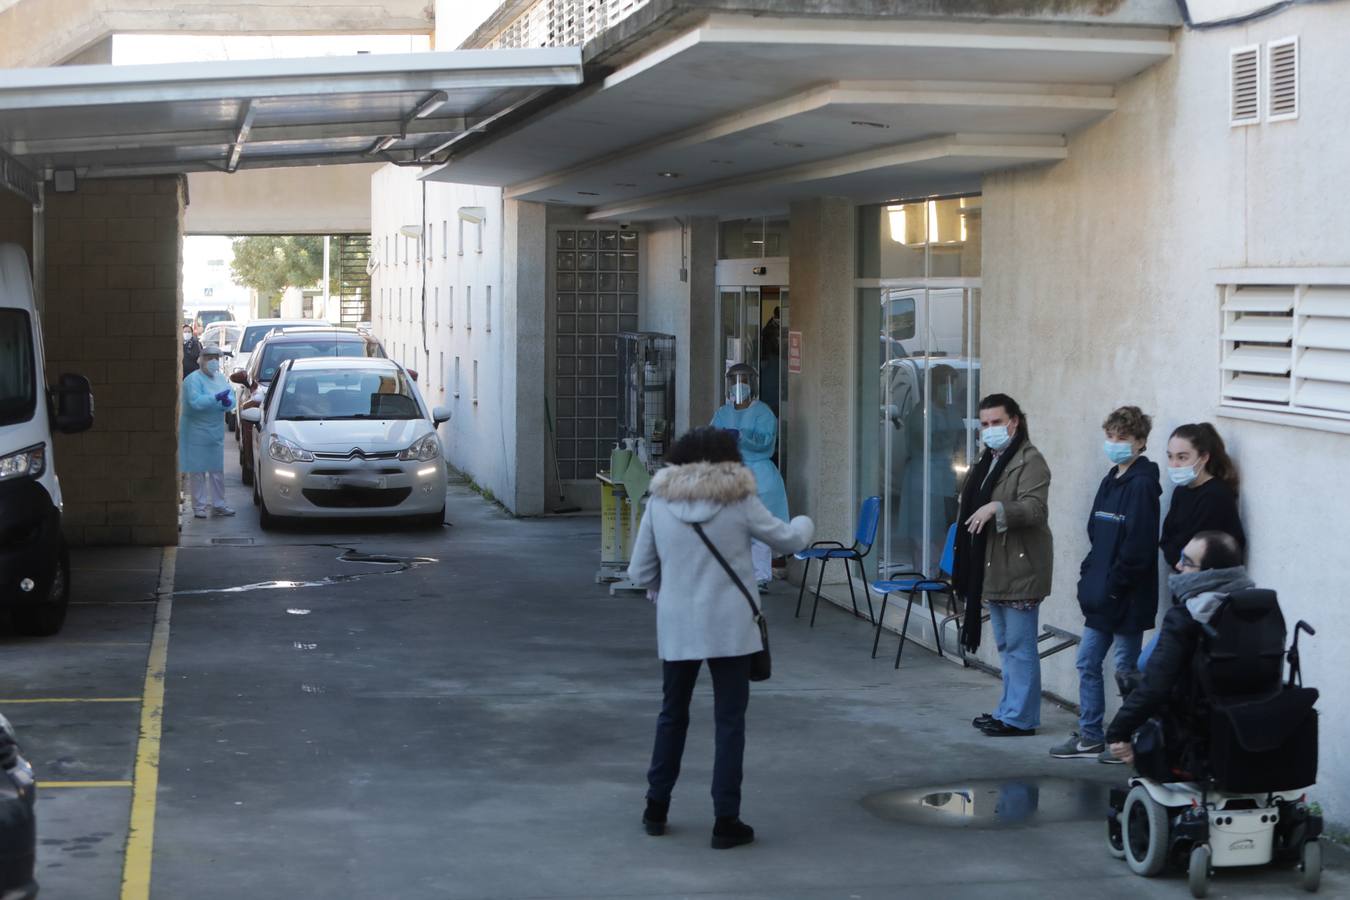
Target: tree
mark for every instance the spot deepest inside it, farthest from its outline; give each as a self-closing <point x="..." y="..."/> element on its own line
<point x="271" y="263"/>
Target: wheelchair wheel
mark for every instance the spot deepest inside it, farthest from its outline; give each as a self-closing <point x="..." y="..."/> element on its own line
<point x="1197" y="874"/>
<point x="1115" y="842"/>
<point x="1310" y="867"/>
<point x="1145" y="833"/>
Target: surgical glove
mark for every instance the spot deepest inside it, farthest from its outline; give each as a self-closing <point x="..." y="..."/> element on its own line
<point x="222" y="395"/>
<point x="736" y="432"/>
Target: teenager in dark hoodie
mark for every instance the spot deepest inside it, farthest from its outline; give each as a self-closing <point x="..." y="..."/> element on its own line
<point x="1118" y="584"/>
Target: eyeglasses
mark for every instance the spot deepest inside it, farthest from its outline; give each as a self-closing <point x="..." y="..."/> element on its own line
<point x="1188" y="563"/>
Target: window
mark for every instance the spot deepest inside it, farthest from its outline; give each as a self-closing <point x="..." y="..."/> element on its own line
<point x="456" y="376"/>
<point x="386" y="250"/>
<point x="440" y="370"/>
<point x="1286" y="347"/>
<point x="461" y="237"/>
<point x="18" y="376"/>
<point x="450" y="306"/>
<point x="445" y="238"/>
<point x="381" y="311"/>
<point x="431" y="241"/>
<point x="1244" y="87"/>
<point x="475" y="382"/>
<point x="400" y="304"/>
<point x="487" y="316"/>
<point x="436" y="305"/>
<point x="480" y="237"/>
<point x="468" y="307"/>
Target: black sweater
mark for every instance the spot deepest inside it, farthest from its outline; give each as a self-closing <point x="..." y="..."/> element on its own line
<point x="1210" y="507"/>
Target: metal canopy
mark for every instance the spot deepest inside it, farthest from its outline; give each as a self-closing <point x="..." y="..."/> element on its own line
<point x="110" y="121"/>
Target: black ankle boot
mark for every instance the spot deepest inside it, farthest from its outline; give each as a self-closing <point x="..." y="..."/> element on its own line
<point x="654" y="817"/>
<point x="730" y="831"/>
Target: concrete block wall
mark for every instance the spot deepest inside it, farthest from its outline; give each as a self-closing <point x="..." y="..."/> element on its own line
<point x="112" y="314"/>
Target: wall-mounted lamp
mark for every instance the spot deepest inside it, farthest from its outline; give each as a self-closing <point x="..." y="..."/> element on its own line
<point x="475" y="215"/>
<point x="63" y="181"/>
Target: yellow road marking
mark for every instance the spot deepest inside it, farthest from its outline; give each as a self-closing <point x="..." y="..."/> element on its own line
<point x="44" y="785"/>
<point x="141" y="835"/>
<point x="72" y="700"/>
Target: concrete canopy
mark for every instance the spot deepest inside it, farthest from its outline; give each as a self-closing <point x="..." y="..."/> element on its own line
<point x="738" y="115"/>
<point x="106" y="121"/>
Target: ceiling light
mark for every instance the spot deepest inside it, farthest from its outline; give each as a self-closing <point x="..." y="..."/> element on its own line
<point x="430" y="105"/>
<point x="385" y="143"/>
<point x="625" y="184"/>
<point x="588" y="193"/>
<point x="668" y="174"/>
<point x="861" y="123"/>
<point x="789" y="145"/>
<point x="723" y="162"/>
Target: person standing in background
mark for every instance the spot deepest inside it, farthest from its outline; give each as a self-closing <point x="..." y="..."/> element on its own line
<point x="1118" y="581"/>
<point x="192" y="350"/>
<point x="1205" y="498"/>
<point x="207" y="395"/>
<point x="756" y="430"/>
<point x="1005" y="556"/>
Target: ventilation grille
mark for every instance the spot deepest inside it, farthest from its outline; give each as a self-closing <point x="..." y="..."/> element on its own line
<point x="1245" y="88"/>
<point x="1282" y="97"/>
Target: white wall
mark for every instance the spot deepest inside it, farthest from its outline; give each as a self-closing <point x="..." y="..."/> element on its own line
<point x="1098" y="291"/>
<point x="298" y="200"/>
<point x="456" y="323"/>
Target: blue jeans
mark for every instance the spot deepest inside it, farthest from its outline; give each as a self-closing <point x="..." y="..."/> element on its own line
<point x="1147" y="652"/>
<point x="1091" y="688"/>
<point x="1015" y="635"/>
<point x="731" y="695"/>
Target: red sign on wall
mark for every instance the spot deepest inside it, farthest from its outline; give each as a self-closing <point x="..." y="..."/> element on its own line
<point x="794" y="352"/>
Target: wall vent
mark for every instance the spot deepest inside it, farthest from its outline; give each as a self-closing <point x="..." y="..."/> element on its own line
<point x="1244" y="99"/>
<point x="1282" y="69"/>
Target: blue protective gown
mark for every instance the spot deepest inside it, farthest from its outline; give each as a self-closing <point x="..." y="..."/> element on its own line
<point x="201" y="424"/>
<point x="758" y="440"/>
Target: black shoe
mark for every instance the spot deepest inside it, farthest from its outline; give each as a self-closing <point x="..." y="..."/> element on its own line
<point x="999" y="728"/>
<point x="982" y="720"/>
<point x="654" y="817"/>
<point x="730" y="831"/>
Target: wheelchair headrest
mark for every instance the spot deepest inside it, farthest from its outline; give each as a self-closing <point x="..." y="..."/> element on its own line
<point x="1253" y="603"/>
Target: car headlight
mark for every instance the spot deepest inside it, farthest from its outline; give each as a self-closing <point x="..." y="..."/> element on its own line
<point x="424" y="448"/>
<point x="283" y="450"/>
<point x="29" y="462"/>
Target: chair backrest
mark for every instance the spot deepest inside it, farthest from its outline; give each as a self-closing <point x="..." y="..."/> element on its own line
<point x="948" y="561"/>
<point x="868" y="518"/>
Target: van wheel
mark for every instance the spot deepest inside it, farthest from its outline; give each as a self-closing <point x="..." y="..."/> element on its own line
<point x="1197" y="873"/>
<point x="46" y="618"/>
<point x="1145" y="832"/>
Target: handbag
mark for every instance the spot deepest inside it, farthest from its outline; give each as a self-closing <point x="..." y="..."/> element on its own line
<point x="761" y="664"/>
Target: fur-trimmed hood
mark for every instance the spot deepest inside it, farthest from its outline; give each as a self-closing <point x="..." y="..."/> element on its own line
<point x="696" y="491"/>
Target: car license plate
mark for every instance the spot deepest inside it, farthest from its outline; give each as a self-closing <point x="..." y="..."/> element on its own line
<point x="369" y="482"/>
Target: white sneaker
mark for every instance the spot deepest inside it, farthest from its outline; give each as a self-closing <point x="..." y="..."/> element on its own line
<point x="199" y="513"/>
<point x="222" y="511"/>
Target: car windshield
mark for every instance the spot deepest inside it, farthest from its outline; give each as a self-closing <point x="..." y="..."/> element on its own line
<point x="276" y="354"/>
<point x="225" y="335"/>
<point x="18" y="387"/>
<point x="347" y="394"/>
<point x="215" y="315"/>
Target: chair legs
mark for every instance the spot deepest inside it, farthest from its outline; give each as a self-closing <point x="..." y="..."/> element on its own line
<point x="852" y="597"/>
<point x="904" y="627"/>
<point x="806" y="572"/>
<point x="862" y="577"/>
<point x="820" y="582"/>
<point x="932" y="616"/>
<point x="876" y="636"/>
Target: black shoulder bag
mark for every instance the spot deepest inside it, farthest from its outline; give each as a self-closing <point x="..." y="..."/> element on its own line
<point x="761" y="664"/>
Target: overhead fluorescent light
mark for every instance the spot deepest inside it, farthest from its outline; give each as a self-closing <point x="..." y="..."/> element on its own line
<point x="385" y="143"/>
<point x="430" y="105"/>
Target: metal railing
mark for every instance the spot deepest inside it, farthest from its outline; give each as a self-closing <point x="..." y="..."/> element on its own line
<point x="563" y="23"/>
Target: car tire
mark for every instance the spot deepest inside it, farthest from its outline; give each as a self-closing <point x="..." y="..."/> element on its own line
<point x="268" y="521"/>
<point x="245" y="472"/>
<point x="46" y="618"/>
<point x="430" y="520"/>
<point x="257" y="495"/>
<point x="230" y="422"/>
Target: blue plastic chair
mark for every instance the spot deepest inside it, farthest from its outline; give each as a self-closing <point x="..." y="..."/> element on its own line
<point x="912" y="583"/>
<point x="863" y="539"/>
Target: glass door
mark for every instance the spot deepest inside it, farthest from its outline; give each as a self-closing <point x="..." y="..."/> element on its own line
<point x="927" y="390"/>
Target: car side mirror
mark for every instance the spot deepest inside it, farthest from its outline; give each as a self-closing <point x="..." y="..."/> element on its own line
<point x="440" y="415"/>
<point x="72" y="404"/>
<point x="252" y="415"/>
<point x="240" y="377"/>
<point x="412" y="373"/>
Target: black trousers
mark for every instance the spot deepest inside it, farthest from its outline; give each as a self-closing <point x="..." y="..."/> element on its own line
<point x="731" y="695"/>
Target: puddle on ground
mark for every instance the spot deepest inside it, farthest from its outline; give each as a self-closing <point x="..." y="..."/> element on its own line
<point x="398" y="565"/>
<point x="993" y="803"/>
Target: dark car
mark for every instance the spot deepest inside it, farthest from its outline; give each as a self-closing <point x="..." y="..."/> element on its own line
<point x="18" y="820"/>
<point x="280" y="346"/>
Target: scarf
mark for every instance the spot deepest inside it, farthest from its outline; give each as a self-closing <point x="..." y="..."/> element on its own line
<point x="968" y="566"/>
<point x="1185" y="585"/>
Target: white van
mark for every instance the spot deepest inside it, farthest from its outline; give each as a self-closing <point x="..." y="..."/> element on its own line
<point x="34" y="563"/>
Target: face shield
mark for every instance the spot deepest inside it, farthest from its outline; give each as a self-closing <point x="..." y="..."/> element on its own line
<point x="742" y="384"/>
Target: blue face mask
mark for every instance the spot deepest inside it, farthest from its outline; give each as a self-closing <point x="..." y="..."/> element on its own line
<point x="1181" y="475"/>
<point x="740" y="392"/>
<point x="1118" y="451"/>
<point x="213" y="366"/>
<point x="995" y="438"/>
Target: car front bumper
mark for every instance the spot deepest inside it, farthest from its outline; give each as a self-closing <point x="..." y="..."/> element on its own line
<point x="30" y="541"/>
<point x="353" y="488"/>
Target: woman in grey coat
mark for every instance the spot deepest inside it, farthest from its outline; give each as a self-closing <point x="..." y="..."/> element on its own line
<point x="700" y="612"/>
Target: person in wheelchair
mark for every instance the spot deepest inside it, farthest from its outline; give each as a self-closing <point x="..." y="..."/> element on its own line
<point x="1209" y="571"/>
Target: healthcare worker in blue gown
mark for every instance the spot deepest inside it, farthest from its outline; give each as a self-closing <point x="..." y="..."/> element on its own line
<point x="201" y="433"/>
<point x="757" y="434"/>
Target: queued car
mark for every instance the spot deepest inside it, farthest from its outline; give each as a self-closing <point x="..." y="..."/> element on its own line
<point x="205" y="317"/>
<point x="251" y="334"/>
<point x="343" y="438"/>
<point x="18" y="820"/>
<point x="277" y="348"/>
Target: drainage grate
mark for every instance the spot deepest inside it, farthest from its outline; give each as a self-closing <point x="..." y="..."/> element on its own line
<point x="234" y="542"/>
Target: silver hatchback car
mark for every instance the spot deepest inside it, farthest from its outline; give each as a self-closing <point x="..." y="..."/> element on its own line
<point x="347" y="438"/>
